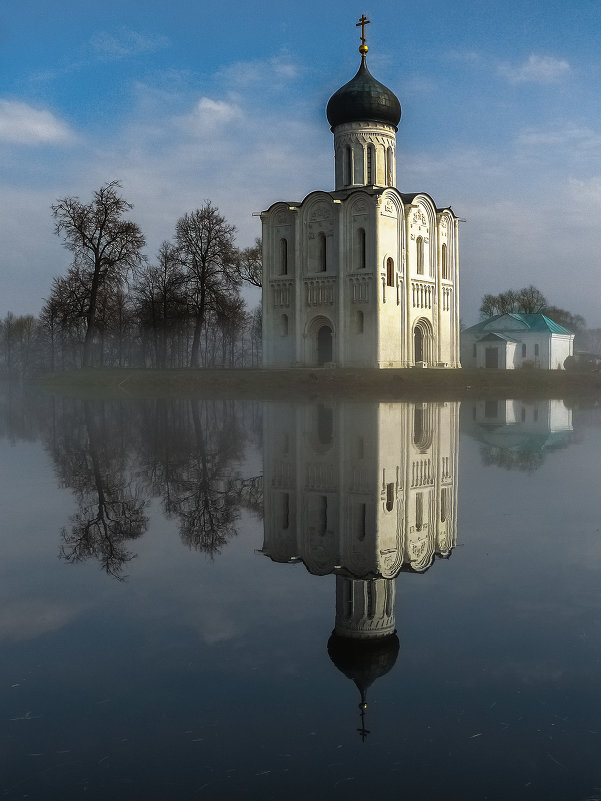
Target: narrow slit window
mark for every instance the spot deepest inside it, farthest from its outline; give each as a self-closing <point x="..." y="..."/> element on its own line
<point x="348" y="166"/>
<point x="361" y="248"/>
<point x="371" y="165"/>
<point x="322" y="253"/>
<point x="389" y="272"/>
<point x="445" y="262"/>
<point x="283" y="256"/>
<point x="389" y="497"/>
<point x="419" y="244"/>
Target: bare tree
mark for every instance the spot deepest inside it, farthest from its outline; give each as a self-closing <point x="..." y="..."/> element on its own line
<point x="528" y="300"/>
<point x="250" y="264"/>
<point x="160" y="299"/>
<point x="206" y="246"/>
<point x="104" y="244"/>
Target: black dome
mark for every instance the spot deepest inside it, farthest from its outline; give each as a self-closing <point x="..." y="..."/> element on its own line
<point x="363" y="99"/>
<point x="363" y="660"/>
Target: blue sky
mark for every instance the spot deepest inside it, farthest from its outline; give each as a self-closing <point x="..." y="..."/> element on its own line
<point x="185" y="101"/>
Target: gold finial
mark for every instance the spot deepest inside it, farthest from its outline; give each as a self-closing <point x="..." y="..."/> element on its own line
<point x="363" y="21"/>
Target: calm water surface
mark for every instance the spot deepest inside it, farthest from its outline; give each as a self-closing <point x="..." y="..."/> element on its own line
<point x="222" y="600"/>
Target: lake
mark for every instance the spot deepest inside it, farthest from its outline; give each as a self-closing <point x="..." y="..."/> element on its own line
<point x="237" y="600"/>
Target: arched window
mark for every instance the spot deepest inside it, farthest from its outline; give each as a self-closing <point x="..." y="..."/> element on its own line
<point x="389" y="497"/>
<point x="523" y="351"/>
<point x="348" y="166"/>
<point x="389" y="272"/>
<point x="361" y="248"/>
<point x="360" y="322"/>
<point x="445" y="261"/>
<point x="370" y="172"/>
<point x="322" y="254"/>
<point x="283" y="256"/>
<point x="284" y="325"/>
<point x="389" y="176"/>
<point x="419" y="246"/>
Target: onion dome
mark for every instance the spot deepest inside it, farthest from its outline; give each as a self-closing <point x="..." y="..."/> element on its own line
<point x="363" y="99"/>
<point x="363" y="661"/>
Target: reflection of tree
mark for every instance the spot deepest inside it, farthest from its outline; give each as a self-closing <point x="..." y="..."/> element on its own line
<point x="190" y="454"/>
<point x="527" y="456"/>
<point x="114" y="455"/>
<point x="111" y="509"/>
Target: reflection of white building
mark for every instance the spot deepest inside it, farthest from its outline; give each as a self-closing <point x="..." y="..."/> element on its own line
<point x="365" y="491"/>
<point x="368" y="489"/>
<point x="516" y="433"/>
<point x="364" y="275"/>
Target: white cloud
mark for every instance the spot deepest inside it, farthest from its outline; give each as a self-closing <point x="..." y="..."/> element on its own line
<point x="126" y="43"/>
<point x="269" y="74"/>
<point x="537" y="69"/>
<point x="20" y="123"/>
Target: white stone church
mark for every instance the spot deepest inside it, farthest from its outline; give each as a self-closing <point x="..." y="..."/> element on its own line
<point x="365" y="275"/>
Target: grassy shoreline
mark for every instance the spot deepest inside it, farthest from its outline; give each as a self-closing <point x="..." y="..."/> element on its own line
<point x="300" y="383"/>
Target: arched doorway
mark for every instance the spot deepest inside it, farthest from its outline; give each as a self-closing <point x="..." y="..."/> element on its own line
<point x="418" y="346"/>
<point x="324" y="345"/>
<point x="320" y="344"/>
<point x="423" y="342"/>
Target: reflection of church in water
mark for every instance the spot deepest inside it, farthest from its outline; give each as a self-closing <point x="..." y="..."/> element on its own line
<point x="365" y="491"/>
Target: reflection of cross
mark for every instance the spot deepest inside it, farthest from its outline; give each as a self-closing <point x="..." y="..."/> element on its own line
<point x="363" y="731"/>
<point x="363" y="21"/>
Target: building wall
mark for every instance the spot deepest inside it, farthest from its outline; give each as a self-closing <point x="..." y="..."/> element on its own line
<point x="367" y="266"/>
<point x="530" y="349"/>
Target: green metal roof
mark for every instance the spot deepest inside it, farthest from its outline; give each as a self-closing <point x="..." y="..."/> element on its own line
<point x="531" y="322"/>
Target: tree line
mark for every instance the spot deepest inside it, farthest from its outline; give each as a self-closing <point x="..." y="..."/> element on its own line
<point x="115" y="307"/>
<point x="531" y="300"/>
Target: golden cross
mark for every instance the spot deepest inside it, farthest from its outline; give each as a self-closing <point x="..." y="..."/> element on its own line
<point x="363" y="21"/>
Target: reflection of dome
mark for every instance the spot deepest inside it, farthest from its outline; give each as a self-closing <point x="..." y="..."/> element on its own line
<point x="363" y="660"/>
<point x="363" y="99"/>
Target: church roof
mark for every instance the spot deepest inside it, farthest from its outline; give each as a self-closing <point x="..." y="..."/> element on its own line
<point x="363" y="99"/>
<point x="518" y="321"/>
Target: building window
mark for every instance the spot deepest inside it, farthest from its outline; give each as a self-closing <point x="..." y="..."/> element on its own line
<point x="389" y="497"/>
<point x="523" y="351"/>
<point x="348" y="166"/>
<point x="536" y="350"/>
<point x="322" y="253"/>
<point x="444" y="497"/>
<point x="419" y="511"/>
<point x="283" y="256"/>
<point x="389" y="272"/>
<point x="389" y="178"/>
<point x="284" y="325"/>
<point x="360" y="322"/>
<point x="285" y="511"/>
<point x="419" y="244"/>
<point x="361" y="248"/>
<point x="361" y="521"/>
<point x="491" y="409"/>
<point x="523" y="414"/>
<point x="445" y="262"/>
<point x="371" y="165"/>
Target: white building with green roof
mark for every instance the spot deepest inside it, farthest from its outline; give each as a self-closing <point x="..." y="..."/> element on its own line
<point x="511" y="341"/>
